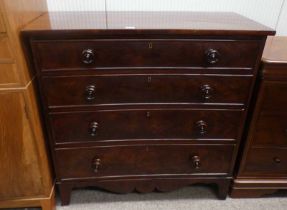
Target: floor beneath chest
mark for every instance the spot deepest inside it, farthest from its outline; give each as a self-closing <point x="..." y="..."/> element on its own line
<point x="189" y="198"/>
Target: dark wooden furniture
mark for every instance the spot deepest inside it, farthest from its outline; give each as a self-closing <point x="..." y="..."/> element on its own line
<point x="144" y="101"/>
<point x="263" y="168"/>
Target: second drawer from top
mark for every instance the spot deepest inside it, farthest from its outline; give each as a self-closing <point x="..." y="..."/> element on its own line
<point x="135" y="89"/>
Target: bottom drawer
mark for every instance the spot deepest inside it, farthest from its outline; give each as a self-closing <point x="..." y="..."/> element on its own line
<point x="144" y="160"/>
<point x="267" y="162"/>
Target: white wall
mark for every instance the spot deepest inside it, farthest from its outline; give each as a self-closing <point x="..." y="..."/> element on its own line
<point x="272" y="13"/>
<point x="76" y="5"/>
<point x="282" y="22"/>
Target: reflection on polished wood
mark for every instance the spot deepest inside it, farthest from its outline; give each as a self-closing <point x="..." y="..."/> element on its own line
<point x="275" y="50"/>
<point x="180" y="22"/>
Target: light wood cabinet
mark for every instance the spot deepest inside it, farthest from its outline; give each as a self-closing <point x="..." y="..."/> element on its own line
<point x="2" y="26"/>
<point x="14" y="15"/>
<point x="25" y="177"/>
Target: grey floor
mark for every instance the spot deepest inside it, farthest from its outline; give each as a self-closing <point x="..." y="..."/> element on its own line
<point x="195" y="197"/>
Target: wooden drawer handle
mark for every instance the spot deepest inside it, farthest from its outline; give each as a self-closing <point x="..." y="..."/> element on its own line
<point x="212" y="56"/>
<point x="196" y="162"/>
<point x="96" y="163"/>
<point x="90" y="92"/>
<point x="206" y="91"/>
<point x="88" y="56"/>
<point x="202" y="127"/>
<point x="94" y="128"/>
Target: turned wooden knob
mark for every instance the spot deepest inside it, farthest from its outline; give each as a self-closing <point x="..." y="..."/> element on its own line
<point x="206" y="91"/>
<point x="202" y="127"/>
<point x="196" y="162"/>
<point x="90" y="92"/>
<point x="96" y="163"/>
<point x="88" y="56"/>
<point x="94" y="128"/>
<point x="212" y="56"/>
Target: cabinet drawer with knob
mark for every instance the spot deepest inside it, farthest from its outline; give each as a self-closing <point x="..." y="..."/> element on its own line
<point x="149" y="160"/>
<point x="118" y="89"/>
<point x="116" y="125"/>
<point x="132" y="53"/>
<point x="266" y="161"/>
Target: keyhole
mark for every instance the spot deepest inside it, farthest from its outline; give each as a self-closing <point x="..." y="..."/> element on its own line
<point x="148" y="114"/>
<point x="149" y="79"/>
<point x="150" y="45"/>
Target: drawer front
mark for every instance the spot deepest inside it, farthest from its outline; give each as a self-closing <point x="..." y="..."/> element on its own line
<point x="266" y="162"/>
<point x="145" y="124"/>
<point x="113" y="89"/>
<point x="143" y="160"/>
<point x="271" y="130"/>
<point x="275" y="97"/>
<point x="56" y="55"/>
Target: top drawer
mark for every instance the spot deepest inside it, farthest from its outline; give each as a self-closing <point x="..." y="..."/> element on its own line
<point x="122" y="53"/>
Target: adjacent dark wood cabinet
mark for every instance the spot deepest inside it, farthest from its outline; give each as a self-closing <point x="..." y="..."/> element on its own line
<point x="263" y="165"/>
<point x="134" y="103"/>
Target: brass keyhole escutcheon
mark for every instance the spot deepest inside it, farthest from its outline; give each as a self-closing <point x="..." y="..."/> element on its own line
<point x="150" y="45"/>
<point x="148" y="114"/>
<point x="149" y="79"/>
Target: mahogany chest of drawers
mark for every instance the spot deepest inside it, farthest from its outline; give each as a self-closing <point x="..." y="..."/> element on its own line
<point x="144" y="101"/>
<point x="263" y="166"/>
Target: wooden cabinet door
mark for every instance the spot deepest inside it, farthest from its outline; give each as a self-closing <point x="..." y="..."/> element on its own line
<point x="2" y="26"/>
<point x="19" y="169"/>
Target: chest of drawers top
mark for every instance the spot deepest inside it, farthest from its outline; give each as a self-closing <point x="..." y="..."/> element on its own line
<point x="97" y="40"/>
<point x="275" y="52"/>
<point x="139" y="23"/>
<point x="275" y="59"/>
